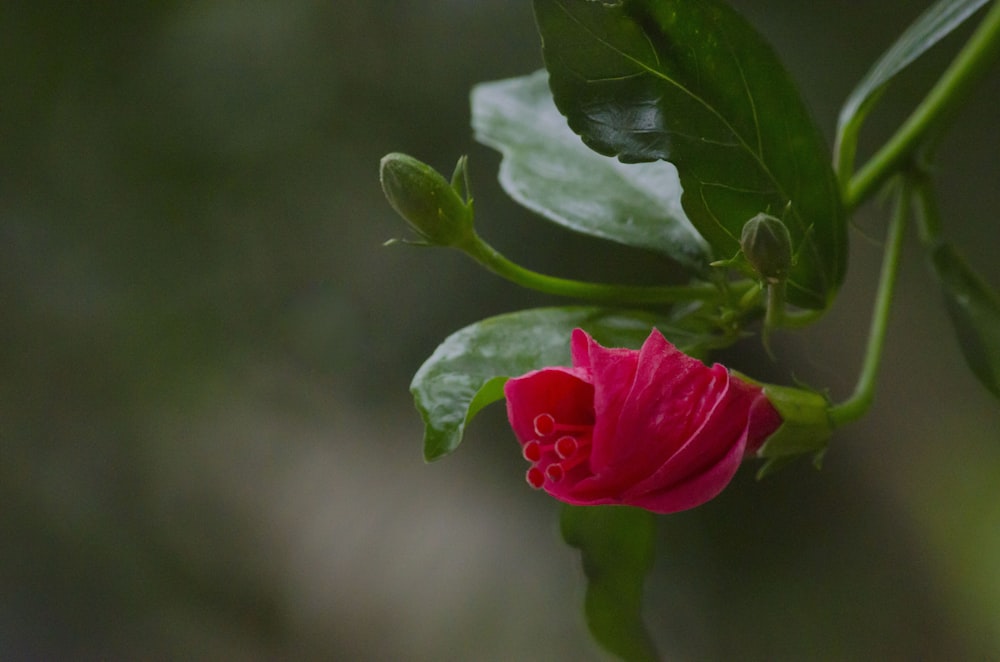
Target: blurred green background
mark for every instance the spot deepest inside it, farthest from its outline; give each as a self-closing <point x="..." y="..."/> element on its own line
<point x="207" y="447"/>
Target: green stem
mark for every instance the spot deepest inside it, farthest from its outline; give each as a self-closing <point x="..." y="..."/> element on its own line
<point x="864" y="392"/>
<point x="774" y="315"/>
<point x="487" y="256"/>
<point x="927" y="214"/>
<point x="945" y="97"/>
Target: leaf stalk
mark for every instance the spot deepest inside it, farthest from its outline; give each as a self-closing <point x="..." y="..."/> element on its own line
<point x="606" y="293"/>
<point x="950" y="92"/>
<point x="861" y="399"/>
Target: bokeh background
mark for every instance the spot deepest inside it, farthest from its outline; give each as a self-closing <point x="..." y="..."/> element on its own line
<point x="207" y="446"/>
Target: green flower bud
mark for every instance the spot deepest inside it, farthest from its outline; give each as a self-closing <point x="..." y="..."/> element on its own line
<point x="767" y="246"/>
<point x="425" y="199"/>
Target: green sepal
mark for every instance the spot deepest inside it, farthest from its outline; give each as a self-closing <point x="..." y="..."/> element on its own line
<point x="806" y="427"/>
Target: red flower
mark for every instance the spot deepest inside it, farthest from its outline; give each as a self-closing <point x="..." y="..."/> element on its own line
<point x="652" y="428"/>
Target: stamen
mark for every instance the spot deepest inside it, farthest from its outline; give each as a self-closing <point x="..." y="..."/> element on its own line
<point x="535" y="478"/>
<point x="566" y="446"/>
<point x="554" y="472"/>
<point x="545" y="424"/>
<point x="557" y="470"/>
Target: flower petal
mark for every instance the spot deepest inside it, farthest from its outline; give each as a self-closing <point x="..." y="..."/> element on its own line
<point x="695" y="490"/>
<point x="764" y="419"/>
<point x="741" y="422"/>
<point x="671" y="397"/>
<point x="561" y="392"/>
<point x="612" y="371"/>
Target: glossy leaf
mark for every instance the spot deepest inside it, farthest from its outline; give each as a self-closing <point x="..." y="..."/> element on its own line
<point x="930" y="28"/>
<point x="690" y="82"/>
<point x="616" y="544"/>
<point x="974" y="309"/>
<point x="468" y="370"/>
<point x="549" y="170"/>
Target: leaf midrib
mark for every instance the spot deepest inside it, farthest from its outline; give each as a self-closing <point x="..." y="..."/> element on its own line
<point x="685" y="90"/>
<point x="756" y="156"/>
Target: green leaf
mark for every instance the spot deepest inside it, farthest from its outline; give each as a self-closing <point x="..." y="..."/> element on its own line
<point x="549" y="170"/>
<point x="616" y="544"/>
<point x="930" y="28"/>
<point x="974" y="309"/>
<point x="690" y="82"/>
<point x="468" y="370"/>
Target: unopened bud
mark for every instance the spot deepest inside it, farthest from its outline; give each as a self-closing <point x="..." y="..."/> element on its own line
<point x="425" y="199"/>
<point x="767" y="246"/>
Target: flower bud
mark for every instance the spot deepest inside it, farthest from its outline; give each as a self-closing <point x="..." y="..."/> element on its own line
<point x="767" y="246"/>
<point x="651" y="428"/>
<point x="425" y="199"/>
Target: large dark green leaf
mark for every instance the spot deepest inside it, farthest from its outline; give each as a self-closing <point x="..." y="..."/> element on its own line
<point x="931" y="27"/>
<point x="549" y="170"/>
<point x="975" y="314"/>
<point x="468" y="370"/>
<point x="617" y="545"/>
<point x="690" y="82"/>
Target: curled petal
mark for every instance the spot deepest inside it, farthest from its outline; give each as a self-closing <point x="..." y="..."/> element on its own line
<point x="560" y="392"/>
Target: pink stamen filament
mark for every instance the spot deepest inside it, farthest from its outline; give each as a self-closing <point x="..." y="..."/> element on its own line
<point x="545" y="424"/>
<point x="534" y="449"/>
<point x="567" y="448"/>
<point x="557" y="470"/>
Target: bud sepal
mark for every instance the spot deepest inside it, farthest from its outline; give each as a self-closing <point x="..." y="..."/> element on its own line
<point x="806" y="427"/>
